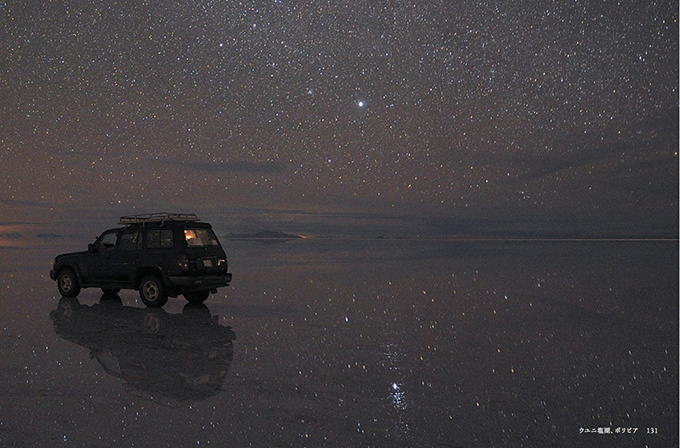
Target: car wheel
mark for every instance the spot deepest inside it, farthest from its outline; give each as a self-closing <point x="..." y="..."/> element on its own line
<point x="197" y="296"/>
<point x="68" y="308"/>
<point x="67" y="283"/>
<point x="154" y="321"/>
<point x="152" y="292"/>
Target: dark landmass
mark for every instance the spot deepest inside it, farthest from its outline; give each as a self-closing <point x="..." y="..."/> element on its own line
<point x="265" y="234"/>
<point x="49" y="236"/>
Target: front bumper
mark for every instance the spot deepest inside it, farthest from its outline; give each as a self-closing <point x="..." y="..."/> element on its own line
<point x="200" y="283"/>
<point x="53" y="274"/>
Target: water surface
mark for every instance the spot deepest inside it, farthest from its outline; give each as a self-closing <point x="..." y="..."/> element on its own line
<point x="373" y="343"/>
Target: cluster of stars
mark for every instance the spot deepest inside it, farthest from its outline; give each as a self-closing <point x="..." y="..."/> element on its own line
<point x="359" y="103"/>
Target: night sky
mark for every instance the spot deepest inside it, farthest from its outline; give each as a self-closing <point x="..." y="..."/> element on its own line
<point x="506" y="118"/>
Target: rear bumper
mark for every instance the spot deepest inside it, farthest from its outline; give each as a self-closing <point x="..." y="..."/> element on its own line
<point x="200" y="283"/>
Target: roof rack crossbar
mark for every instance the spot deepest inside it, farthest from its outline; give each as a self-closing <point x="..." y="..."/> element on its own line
<point x="157" y="217"/>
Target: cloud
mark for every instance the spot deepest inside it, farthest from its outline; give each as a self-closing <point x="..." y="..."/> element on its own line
<point x="236" y="166"/>
<point x="647" y="146"/>
<point x="570" y="156"/>
<point x="18" y="203"/>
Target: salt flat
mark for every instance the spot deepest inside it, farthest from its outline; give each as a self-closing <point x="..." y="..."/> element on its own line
<point x="351" y="342"/>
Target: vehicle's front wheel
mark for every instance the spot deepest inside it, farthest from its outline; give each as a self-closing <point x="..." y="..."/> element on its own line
<point x="67" y="283"/>
<point x="152" y="292"/>
<point x="197" y="296"/>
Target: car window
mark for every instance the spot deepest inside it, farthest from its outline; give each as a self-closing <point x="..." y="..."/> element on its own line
<point x="107" y="241"/>
<point x="157" y="239"/>
<point x="200" y="237"/>
<point x="129" y="241"/>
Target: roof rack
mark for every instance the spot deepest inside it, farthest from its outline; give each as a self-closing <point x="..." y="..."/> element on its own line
<point x="157" y="217"/>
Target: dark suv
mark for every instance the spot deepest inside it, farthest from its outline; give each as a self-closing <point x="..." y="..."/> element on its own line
<point x="160" y="254"/>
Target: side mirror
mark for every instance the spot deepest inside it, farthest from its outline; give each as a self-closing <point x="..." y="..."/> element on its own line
<point x="90" y="247"/>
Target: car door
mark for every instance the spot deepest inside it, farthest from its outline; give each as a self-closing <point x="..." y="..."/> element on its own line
<point x="125" y="257"/>
<point x="160" y="246"/>
<point x="100" y="263"/>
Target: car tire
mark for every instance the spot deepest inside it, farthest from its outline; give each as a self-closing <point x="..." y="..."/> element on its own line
<point x="152" y="292"/>
<point x="67" y="283"/>
<point x="197" y="296"/>
<point x="154" y="321"/>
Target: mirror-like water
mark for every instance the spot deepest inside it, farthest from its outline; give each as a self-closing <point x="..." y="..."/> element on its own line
<point x="354" y="343"/>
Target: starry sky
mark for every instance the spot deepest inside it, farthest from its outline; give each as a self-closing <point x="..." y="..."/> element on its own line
<point x="511" y="118"/>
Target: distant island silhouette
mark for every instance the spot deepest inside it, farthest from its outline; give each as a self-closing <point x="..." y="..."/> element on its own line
<point x="264" y="234"/>
<point x="49" y="236"/>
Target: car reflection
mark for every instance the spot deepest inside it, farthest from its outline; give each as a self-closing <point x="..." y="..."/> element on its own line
<point x="171" y="359"/>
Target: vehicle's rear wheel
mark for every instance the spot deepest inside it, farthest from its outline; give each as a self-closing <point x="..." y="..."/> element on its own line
<point x="197" y="296"/>
<point x="67" y="283"/>
<point x="152" y="292"/>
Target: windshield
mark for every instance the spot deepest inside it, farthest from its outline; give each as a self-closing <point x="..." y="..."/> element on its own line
<point x="200" y="238"/>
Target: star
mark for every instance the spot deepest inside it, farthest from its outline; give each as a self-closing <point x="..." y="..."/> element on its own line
<point x="541" y="100"/>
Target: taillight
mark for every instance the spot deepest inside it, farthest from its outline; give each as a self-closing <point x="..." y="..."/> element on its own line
<point x="183" y="263"/>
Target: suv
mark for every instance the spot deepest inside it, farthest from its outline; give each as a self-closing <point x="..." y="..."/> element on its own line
<point x="160" y="254"/>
